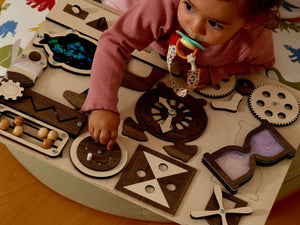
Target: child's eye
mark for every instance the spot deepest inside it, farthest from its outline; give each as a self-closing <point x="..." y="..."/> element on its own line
<point x="215" y="25"/>
<point x="188" y="6"/>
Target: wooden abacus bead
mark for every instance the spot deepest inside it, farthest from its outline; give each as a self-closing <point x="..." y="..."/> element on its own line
<point x="47" y="143"/>
<point x="52" y="135"/>
<point x="42" y="133"/>
<point x="18" y="121"/>
<point x="4" y="124"/>
<point x="18" y="131"/>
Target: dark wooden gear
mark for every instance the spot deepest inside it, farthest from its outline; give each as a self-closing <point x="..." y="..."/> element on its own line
<point x="244" y="86"/>
<point x="102" y="158"/>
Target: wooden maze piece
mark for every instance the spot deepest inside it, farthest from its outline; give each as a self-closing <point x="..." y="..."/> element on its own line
<point x="156" y="179"/>
<point x="49" y="111"/>
<point x="107" y="171"/>
<point x="270" y="148"/>
<point x="188" y="122"/>
<point x="96" y="157"/>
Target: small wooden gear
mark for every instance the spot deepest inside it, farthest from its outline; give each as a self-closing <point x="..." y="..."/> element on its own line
<point x="94" y="160"/>
<point x="244" y="86"/>
<point x="168" y="117"/>
<point x="11" y="90"/>
<point x="223" y="89"/>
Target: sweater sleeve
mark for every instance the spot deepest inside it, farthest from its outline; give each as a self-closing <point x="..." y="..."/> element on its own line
<point x="258" y="56"/>
<point x="138" y="27"/>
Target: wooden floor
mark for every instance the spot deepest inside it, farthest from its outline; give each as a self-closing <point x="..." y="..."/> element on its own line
<point x="24" y="200"/>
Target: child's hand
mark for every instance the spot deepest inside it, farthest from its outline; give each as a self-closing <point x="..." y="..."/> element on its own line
<point x="103" y="127"/>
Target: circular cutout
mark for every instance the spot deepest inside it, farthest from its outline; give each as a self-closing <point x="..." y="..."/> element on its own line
<point x="171" y="187"/>
<point x="35" y="56"/>
<point x="163" y="167"/>
<point x="149" y="189"/>
<point x="141" y="173"/>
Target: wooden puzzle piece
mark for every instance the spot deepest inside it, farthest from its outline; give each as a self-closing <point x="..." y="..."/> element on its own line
<point x="233" y="165"/>
<point x="99" y="24"/>
<point x="224" y="216"/>
<point x="231" y="105"/>
<point x="156" y="179"/>
<point x="75" y="99"/>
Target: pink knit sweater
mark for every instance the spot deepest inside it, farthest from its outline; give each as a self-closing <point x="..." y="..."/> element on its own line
<point x="151" y="22"/>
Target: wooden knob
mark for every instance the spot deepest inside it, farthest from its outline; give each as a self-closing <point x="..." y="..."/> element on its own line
<point x="42" y="133"/>
<point x="52" y="135"/>
<point x="18" y="121"/>
<point x="47" y="143"/>
<point x="4" y="124"/>
<point x="18" y="131"/>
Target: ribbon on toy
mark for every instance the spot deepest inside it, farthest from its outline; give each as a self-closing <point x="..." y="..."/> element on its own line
<point x="193" y="75"/>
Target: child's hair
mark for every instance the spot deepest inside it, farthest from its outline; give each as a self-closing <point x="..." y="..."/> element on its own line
<point x="264" y="10"/>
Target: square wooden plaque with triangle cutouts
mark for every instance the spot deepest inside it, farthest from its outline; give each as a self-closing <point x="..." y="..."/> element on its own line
<point x="156" y="179"/>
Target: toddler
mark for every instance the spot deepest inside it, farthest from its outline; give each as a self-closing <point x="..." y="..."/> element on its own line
<point x="236" y="35"/>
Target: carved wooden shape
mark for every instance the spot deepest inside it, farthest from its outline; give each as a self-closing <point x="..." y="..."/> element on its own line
<point x="74" y="98"/>
<point x="156" y="179"/>
<point x="49" y="111"/>
<point x="214" y="209"/>
<point x="138" y="83"/>
<point x="165" y="115"/>
<point x="263" y="146"/>
<point x="230" y="106"/>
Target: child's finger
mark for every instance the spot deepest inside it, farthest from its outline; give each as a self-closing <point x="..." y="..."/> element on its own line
<point x="104" y="137"/>
<point x="112" y="140"/>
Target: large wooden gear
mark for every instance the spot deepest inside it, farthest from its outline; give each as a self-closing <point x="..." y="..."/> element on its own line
<point x="275" y="104"/>
<point x="165" y="115"/>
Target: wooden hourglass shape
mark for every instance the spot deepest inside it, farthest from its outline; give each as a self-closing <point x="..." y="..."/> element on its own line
<point x="234" y="165"/>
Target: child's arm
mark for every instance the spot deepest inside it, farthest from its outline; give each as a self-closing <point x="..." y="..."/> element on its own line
<point x="136" y="29"/>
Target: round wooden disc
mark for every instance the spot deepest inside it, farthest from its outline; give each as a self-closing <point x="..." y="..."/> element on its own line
<point x="35" y="56"/>
<point x="96" y="173"/>
<point x="101" y="158"/>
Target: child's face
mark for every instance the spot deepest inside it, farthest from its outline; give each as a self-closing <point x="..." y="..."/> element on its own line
<point x="209" y="21"/>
